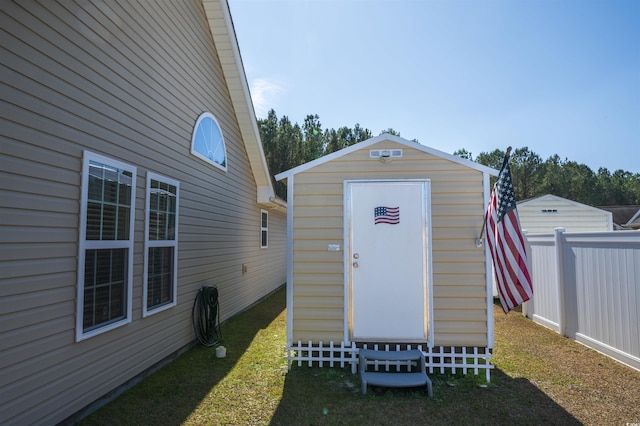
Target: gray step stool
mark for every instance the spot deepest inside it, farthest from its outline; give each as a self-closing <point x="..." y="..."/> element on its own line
<point x="393" y="379"/>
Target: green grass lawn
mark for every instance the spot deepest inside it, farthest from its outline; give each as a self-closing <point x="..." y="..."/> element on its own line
<point x="253" y="385"/>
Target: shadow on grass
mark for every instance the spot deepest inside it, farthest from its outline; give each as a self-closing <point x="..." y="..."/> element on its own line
<point x="253" y="386"/>
<point x="326" y="396"/>
<point x="172" y="394"/>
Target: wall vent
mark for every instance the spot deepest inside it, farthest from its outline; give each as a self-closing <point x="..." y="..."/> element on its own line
<point x="385" y="153"/>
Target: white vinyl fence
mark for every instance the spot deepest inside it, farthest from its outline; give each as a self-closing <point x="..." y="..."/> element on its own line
<point x="587" y="287"/>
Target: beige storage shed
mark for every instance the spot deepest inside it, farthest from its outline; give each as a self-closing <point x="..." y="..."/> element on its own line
<point x="381" y="251"/>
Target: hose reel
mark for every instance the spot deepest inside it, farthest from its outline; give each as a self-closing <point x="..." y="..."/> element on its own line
<point x="206" y="316"/>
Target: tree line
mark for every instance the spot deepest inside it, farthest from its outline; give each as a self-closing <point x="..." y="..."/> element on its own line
<point x="288" y="145"/>
<point x="532" y="177"/>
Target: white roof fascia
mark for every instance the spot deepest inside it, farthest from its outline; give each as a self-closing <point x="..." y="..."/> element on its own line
<point x="224" y="37"/>
<point x="391" y="138"/>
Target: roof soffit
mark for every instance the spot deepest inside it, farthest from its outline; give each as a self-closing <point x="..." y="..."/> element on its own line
<point x="224" y="38"/>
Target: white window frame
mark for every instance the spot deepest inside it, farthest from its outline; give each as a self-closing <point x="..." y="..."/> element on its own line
<point x="85" y="245"/>
<point x="203" y="157"/>
<point x="146" y="311"/>
<point x="264" y="229"/>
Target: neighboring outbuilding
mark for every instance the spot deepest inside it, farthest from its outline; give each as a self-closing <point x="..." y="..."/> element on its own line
<point x="382" y="250"/>
<point x="623" y="216"/>
<point x="542" y="215"/>
<point x="132" y="175"/>
<point x="634" y="222"/>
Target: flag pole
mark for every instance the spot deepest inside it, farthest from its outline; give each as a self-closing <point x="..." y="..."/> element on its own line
<point x="480" y="239"/>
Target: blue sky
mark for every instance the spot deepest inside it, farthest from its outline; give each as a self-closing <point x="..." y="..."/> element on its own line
<point x="561" y="77"/>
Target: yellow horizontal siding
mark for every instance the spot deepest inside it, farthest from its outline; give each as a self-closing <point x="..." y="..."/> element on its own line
<point x="330" y="221"/>
<point x="449" y="338"/>
<point x="460" y="291"/>
<point x="319" y="314"/>
<point x="445" y="280"/>
<point x="468" y="235"/>
<point x="330" y="325"/>
<point x="301" y="257"/>
<point x="327" y="302"/>
<point x="461" y="327"/>
<point x="312" y="245"/>
<point x="318" y="291"/>
<point x="457" y="209"/>
<point x="317" y="268"/>
<point x="317" y="234"/>
<point x="319" y="199"/>
<point x="326" y="335"/>
<point x="449" y="200"/>
<point x="456" y="304"/>
<point x="464" y="257"/>
<point x="444" y="244"/>
<point x="476" y="269"/>
<point x="328" y="211"/>
<point x="467" y="222"/>
<point x="448" y="315"/>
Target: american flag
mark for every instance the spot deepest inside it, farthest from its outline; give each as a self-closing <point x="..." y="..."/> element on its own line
<point x="506" y="243"/>
<point x="390" y="215"/>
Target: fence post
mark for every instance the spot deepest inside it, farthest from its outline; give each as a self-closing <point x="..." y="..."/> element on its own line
<point x="527" y="249"/>
<point x="558" y="241"/>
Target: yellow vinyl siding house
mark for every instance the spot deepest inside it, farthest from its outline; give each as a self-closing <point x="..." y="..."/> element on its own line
<point x="345" y="290"/>
<point x="116" y="207"/>
<point x="542" y="215"/>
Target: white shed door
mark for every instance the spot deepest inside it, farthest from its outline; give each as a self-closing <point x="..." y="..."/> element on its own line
<point x="388" y="260"/>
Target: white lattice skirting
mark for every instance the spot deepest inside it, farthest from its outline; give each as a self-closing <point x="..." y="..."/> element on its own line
<point x="439" y="359"/>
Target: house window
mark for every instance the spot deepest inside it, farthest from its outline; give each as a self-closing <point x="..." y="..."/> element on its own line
<point x="207" y="142"/>
<point x="105" y="256"/>
<point x="264" y="229"/>
<point x="161" y="244"/>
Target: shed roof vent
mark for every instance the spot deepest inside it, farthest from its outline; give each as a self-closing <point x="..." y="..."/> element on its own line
<point x="385" y="153"/>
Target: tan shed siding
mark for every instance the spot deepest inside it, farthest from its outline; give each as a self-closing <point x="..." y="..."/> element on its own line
<point x="457" y="209"/>
<point x="128" y="82"/>
<point x="318" y="292"/>
<point x="457" y="204"/>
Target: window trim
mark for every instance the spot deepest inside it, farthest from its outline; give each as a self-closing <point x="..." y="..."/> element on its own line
<point x="84" y="245"/>
<point x="264" y="228"/>
<point x="146" y="311"/>
<point x="202" y="117"/>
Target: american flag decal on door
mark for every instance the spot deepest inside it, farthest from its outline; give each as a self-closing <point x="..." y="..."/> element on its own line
<point x="389" y="215"/>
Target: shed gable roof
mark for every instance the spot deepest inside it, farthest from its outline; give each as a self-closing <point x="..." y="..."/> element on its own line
<point x="550" y="197"/>
<point x="224" y="38"/>
<point x="385" y="137"/>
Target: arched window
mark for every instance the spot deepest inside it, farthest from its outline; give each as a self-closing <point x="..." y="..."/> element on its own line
<point x="207" y="142"/>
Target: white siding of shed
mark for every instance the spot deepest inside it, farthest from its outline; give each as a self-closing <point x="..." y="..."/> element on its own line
<point x="544" y="214"/>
